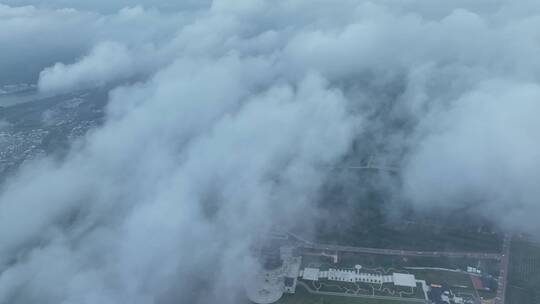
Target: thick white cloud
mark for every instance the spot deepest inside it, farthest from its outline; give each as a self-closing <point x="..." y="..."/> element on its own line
<point x="190" y="167"/>
<point x="483" y="152"/>
<point x="31" y="39"/>
<point x="106" y="62"/>
<point x="34" y="38"/>
<point x="238" y="108"/>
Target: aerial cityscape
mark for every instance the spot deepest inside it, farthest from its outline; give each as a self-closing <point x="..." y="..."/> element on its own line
<point x="260" y="151"/>
<point x="328" y="271"/>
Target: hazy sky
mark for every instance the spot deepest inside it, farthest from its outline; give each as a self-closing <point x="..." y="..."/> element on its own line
<point x="239" y="108"/>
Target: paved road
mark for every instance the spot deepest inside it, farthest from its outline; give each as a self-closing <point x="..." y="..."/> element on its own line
<point x="501" y="289"/>
<point x="435" y="254"/>
<point x="340" y="294"/>
<point x="380" y="168"/>
<point x="504" y="257"/>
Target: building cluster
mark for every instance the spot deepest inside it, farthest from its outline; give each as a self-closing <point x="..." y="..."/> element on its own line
<point x="473" y="270"/>
<point x="33" y="129"/>
<point x="357" y="276"/>
<point x="282" y="268"/>
<point x="441" y="294"/>
<point x="17" y="147"/>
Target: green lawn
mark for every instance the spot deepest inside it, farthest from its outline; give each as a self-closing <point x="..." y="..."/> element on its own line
<point x="302" y="296"/>
<point x="444" y="277"/>
<point x="360" y="217"/>
<point x="524" y="274"/>
<point x="397" y="262"/>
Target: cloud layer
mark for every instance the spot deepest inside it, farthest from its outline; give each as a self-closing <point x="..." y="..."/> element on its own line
<point x="225" y="116"/>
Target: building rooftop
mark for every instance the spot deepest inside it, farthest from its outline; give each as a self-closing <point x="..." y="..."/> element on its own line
<point x="311" y="274"/>
<point x="403" y="279"/>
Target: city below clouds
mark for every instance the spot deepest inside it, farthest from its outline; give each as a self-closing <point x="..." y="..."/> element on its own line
<point x="224" y="116"/>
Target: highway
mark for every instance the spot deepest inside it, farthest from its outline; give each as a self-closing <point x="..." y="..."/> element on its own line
<point x="397" y="252"/>
<point x="501" y="288"/>
<point x="370" y="165"/>
<point x="380" y="168"/>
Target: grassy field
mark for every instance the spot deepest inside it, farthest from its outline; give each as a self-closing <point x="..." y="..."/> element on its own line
<point x="360" y="288"/>
<point x="444" y="277"/>
<point x="363" y="217"/>
<point x="524" y="273"/>
<point x="302" y="296"/>
<point x="410" y="237"/>
<point x="399" y="263"/>
<point x="387" y="264"/>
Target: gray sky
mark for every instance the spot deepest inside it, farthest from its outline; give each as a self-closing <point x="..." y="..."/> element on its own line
<point x="240" y="107"/>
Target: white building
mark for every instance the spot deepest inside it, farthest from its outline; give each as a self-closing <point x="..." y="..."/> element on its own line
<point x="311" y="274"/>
<point x="404" y="280"/>
<point x="353" y="276"/>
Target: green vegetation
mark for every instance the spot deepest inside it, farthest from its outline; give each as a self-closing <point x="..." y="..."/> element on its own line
<point x="450" y="278"/>
<point x="523" y="284"/>
<point x="321" y="262"/>
<point x="458" y="281"/>
<point x="302" y="296"/>
<point x="362" y="217"/>
<point x="400" y="263"/>
<point x="360" y="288"/>
<point x="414" y="236"/>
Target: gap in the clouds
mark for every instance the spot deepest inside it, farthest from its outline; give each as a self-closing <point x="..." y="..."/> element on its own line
<point x="362" y="208"/>
<point x="48" y="126"/>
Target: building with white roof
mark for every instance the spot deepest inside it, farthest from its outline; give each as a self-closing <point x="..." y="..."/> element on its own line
<point x="353" y="276"/>
<point x="311" y="274"/>
<point x="403" y="279"/>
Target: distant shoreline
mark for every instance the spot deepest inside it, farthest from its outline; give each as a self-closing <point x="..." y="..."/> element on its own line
<point x="15" y="98"/>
